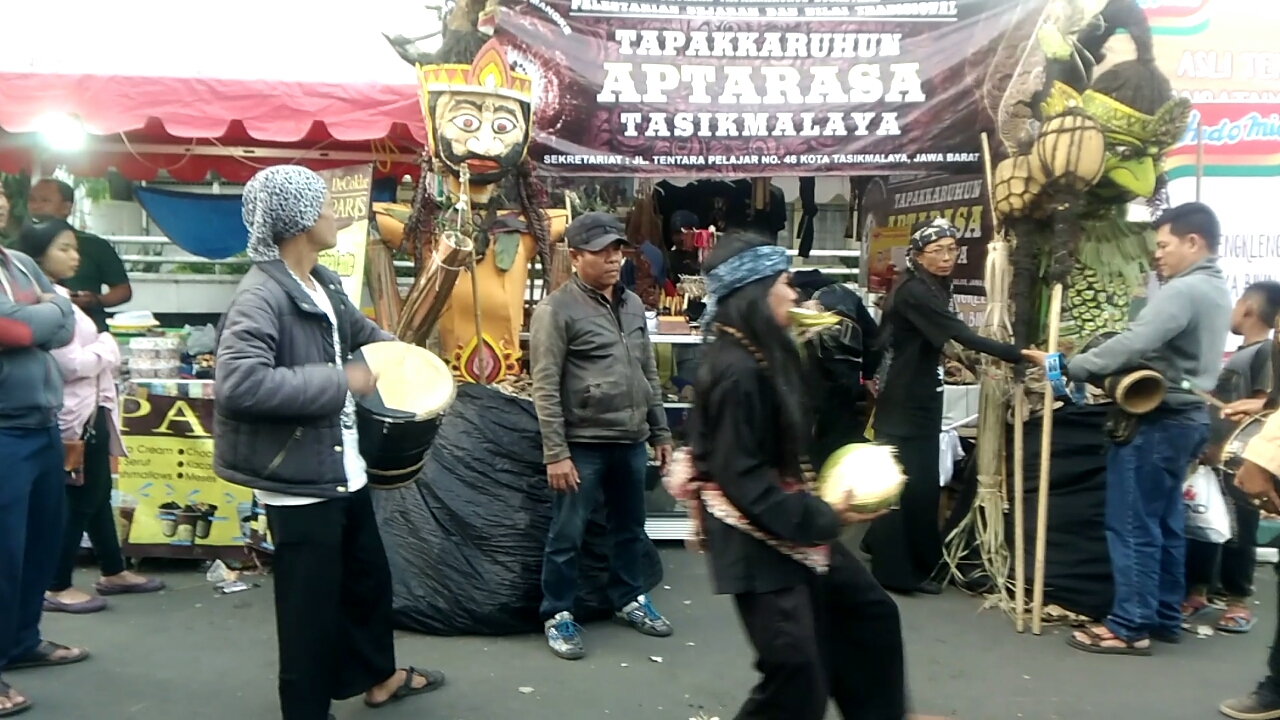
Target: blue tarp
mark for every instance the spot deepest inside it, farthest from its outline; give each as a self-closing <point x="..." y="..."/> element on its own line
<point x="208" y="226"/>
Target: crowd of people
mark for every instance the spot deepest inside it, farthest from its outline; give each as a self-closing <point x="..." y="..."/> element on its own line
<point x="824" y="626"/>
<point x="58" y="428"/>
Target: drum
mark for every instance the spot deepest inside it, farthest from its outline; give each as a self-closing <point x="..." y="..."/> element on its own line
<point x="1233" y="449"/>
<point x="400" y="419"/>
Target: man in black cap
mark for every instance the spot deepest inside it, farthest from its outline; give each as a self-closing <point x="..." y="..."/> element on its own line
<point x="595" y="388"/>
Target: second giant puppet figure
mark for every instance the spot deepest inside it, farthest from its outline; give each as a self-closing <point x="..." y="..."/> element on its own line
<point x="1064" y="195"/>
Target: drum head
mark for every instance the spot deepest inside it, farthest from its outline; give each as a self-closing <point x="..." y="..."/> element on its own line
<point x="413" y="384"/>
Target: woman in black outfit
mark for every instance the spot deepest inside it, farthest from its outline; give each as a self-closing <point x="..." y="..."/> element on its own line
<point x="919" y="319"/>
<point x="821" y="626"/>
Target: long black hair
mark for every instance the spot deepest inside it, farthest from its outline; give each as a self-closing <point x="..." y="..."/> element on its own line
<point x="38" y="234"/>
<point x="746" y="313"/>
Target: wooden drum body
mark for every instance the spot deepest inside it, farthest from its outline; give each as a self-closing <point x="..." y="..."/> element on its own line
<point x="1233" y="449"/>
<point x="399" y="421"/>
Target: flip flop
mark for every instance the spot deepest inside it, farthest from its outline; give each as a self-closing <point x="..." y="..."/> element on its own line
<point x="12" y="710"/>
<point x="87" y="607"/>
<point x="42" y="656"/>
<point x="434" y="678"/>
<point x="1094" y="644"/>
<point x="149" y="585"/>
<point x="1237" y="623"/>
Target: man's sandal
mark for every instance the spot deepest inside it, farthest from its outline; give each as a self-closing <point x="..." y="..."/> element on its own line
<point x="6" y="692"/>
<point x="45" y="655"/>
<point x="1236" y="621"/>
<point x="434" y="678"/>
<point x="1094" y="637"/>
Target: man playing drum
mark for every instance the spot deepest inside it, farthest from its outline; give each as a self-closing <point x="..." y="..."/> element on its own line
<point x="1245" y="381"/>
<point x="285" y="426"/>
<point x="596" y="392"/>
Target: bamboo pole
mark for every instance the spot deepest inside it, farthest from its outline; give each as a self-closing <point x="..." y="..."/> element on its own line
<point x="1019" y="510"/>
<point x="1046" y="448"/>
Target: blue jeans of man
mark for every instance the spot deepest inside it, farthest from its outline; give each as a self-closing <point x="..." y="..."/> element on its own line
<point x="614" y="473"/>
<point x="1146" y="525"/>
<point x="33" y="491"/>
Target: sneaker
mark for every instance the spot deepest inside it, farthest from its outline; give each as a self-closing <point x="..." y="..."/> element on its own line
<point x="564" y="637"/>
<point x="641" y="615"/>
<point x="1261" y="704"/>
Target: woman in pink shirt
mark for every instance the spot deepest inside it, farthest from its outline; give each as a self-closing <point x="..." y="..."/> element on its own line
<point x="88" y="365"/>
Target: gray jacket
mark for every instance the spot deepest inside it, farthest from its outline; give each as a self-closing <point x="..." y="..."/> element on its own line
<point x="279" y="390"/>
<point x="1181" y="333"/>
<point x="30" y="382"/>
<point x="594" y="375"/>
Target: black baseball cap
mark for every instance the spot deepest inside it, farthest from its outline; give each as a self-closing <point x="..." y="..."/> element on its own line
<point x="595" y="231"/>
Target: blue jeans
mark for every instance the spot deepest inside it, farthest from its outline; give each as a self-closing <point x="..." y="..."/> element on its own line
<point x="614" y="473"/>
<point x="1146" y="524"/>
<point x="33" y="491"/>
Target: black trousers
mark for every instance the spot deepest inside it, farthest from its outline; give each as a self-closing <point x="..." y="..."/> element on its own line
<point x="906" y="544"/>
<point x="839" y="637"/>
<point x="1227" y="568"/>
<point x="89" y="510"/>
<point x="333" y="603"/>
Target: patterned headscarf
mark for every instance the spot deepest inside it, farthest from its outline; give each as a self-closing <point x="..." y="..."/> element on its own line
<point x="742" y="269"/>
<point x="279" y="203"/>
<point x="937" y="229"/>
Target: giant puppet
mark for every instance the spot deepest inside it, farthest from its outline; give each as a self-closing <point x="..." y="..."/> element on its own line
<point x="465" y="535"/>
<point x="1065" y="192"/>
<point x="478" y="113"/>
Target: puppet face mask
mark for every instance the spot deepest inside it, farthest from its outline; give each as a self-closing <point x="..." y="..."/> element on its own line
<point x="486" y="133"/>
<point x="478" y="115"/>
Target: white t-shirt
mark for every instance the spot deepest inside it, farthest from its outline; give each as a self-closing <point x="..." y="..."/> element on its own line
<point x="352" y="461"/>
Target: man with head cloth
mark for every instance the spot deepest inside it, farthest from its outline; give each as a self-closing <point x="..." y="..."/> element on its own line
<point x="285" y="427"/>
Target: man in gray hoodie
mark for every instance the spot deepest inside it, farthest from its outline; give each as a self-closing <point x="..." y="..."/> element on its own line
<point x="1182" y="334"/>
<point x="33" y="321"/>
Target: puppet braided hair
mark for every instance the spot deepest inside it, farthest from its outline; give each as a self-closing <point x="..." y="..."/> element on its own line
<point x="419" y="229"/>
<point x="533" y="197"/>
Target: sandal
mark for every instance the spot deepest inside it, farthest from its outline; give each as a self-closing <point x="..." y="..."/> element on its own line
<point x="44" y="656"/>
<point x="1193" y="607"/>
<point x="149" y="585"/>
<point x="1096" y="635"/>
<point x="15" y="708"/>
<point x="434" y="679"/>
<point x="1237" y="620"/>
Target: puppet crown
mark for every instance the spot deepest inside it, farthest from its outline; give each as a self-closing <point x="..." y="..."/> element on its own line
<point x="489" y="73"/>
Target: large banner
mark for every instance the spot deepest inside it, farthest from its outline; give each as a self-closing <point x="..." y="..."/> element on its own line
<point x="891" y="205"/>
<point x="758" y="87"/>
<point x="349" y="189"/>
<point x="170" y="502"/>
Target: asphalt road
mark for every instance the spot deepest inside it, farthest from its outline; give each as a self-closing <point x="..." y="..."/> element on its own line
<point x="188" y="653"/>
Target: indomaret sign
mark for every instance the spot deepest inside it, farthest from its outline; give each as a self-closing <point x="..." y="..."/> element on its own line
<point x="758" y="86"/>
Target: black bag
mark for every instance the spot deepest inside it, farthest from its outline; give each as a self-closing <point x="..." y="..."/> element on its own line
<point x="465" y="540"/>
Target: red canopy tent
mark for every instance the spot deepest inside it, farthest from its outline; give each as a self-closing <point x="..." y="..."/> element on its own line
<point x="250" y="83"/>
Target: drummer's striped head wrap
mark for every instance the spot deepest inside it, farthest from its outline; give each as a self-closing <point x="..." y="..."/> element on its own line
<point x="741" y="269"/>
<point x="279" y="203"/>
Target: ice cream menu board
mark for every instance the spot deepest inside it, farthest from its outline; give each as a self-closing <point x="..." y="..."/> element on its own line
<point x="170" y="502"/>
